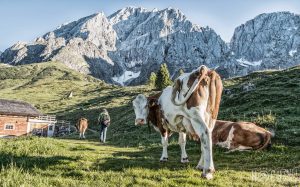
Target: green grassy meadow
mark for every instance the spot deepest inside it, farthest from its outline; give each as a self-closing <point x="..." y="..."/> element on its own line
<point x="131" y="155"/>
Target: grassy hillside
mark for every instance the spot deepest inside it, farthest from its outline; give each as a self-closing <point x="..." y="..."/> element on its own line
<point x="131" y="155"/>
<point x="273" y="103"/>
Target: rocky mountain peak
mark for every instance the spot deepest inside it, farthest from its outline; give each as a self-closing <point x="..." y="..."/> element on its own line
<point x="270" y="40"/>
<point x="125" y="47"/>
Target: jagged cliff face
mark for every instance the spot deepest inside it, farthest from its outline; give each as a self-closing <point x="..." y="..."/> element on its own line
<point x="149" y="38"/>
<point x="268" y="41"/>
<point x="125" y="47"/>
<point x="82" y="45"/>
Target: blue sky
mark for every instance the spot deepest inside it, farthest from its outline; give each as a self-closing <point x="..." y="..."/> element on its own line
<point x="24" y="20"/>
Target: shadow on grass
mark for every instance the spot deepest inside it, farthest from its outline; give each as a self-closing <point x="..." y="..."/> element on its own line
<point x="31" y="162"/>
<point x="275" y="159"/>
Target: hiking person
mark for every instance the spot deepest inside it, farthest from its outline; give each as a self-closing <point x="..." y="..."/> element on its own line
<point x="104" y="122"/>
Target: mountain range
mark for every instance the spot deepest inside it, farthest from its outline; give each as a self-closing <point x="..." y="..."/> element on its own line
<point x="125" y="47"/>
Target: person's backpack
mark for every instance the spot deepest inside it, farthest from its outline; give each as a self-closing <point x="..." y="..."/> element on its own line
<point x="105" y="121"/>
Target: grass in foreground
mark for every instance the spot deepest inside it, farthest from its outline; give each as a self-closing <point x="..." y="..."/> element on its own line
<point x="52" y="162"/>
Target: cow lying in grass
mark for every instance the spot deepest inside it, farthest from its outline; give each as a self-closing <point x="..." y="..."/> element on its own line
<point x="235" y="136"/>
<point x="81" y="126"/>
<point x="240" y="136"/>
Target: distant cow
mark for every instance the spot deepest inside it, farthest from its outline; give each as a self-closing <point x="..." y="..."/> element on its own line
<point x="240" y="136"/>
<point x="82" y="125"/>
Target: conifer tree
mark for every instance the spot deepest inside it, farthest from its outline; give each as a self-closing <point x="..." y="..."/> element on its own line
<point x="163" y="77"/>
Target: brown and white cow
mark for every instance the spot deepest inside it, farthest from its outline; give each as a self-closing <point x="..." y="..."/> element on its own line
<point x="192" y="106"/>
<point x="82" y="125"/>
<point x="240" y="136"/>
<point x="148" y="110"/>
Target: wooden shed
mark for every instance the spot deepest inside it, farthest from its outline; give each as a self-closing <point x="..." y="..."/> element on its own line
<point x="20" y="118"/>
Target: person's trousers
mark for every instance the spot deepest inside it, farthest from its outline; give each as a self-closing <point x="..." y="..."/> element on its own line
<point x="103" y="130"/>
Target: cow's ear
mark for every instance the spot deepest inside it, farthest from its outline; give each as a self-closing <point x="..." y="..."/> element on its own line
<point x="152" y="102"/>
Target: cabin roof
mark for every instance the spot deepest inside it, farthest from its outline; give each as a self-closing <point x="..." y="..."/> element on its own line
<point x="18" y="108"/>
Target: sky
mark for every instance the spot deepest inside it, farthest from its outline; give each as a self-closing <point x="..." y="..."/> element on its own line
<point x="24" y="20"/>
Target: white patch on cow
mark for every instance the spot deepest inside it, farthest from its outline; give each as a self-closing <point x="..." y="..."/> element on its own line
<point x="182" y="143"/>
<point x="227" y="143"/>
<point x="140" y="105"/>
<point x="164" y="142"/>
<point x="240" y="148"/>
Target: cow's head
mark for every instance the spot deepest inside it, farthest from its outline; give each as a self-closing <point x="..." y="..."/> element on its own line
<point x="141" y="109"/>
<point x="186" y="84"/>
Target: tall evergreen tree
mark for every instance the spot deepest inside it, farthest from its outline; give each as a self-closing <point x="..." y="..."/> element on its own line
<point x="152" y="80"/>
<point x="163" y="77"/>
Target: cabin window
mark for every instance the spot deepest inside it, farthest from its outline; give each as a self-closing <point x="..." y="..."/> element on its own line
<point x="9" y="126"/>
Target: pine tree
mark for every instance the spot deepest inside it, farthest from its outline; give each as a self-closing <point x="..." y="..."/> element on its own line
<point x="163" y="77"/>
<point x="152" y="80"/>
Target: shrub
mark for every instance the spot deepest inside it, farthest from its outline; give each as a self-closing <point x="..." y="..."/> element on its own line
<point x="152" y="80"/>
<point x="266" y="120"/>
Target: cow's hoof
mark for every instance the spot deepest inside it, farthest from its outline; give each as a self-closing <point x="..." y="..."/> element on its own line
<point x="164" y="159"/>
<point x="207" y="176"/>
<point x="185" y="160"/>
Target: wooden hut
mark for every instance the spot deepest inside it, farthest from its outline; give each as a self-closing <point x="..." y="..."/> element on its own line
<point x="20" y="118"/>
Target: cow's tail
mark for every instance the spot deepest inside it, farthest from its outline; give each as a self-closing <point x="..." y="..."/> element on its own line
<point x="267" y="141"/>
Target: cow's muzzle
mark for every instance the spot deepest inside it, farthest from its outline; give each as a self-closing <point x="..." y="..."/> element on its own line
<point x="140" y="122"/>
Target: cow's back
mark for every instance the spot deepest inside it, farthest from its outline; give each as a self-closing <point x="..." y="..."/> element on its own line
<point x="241" y="134"/>
<point x="83" y="124"/>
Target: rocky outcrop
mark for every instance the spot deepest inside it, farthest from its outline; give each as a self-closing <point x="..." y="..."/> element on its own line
<point x="149" y="38"/>
<point x="269" y="41"/>
<point x="82" y="45"/>
<point x="128" y="44"/>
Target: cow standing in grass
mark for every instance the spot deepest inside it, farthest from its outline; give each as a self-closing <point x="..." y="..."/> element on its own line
<point x="82" y="125"/>
<point x="147" y="110"/>
<point x="191" y="105"/>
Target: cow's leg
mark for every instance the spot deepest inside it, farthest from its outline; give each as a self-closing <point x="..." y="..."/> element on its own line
<point x="182" y="143"/>
<point x="205" y="135"/>
<point x="80" y="135"/>
<point x="200" y="165"/>
<point x="208" y="157"/>
<point x="164" y="142"/>
<point x="83" y="136"/>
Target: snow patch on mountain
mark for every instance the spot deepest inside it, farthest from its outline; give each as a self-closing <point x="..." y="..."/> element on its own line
<point x="126" y="76"/>
<point x="247" y="63"/>
<point x="292" y="52"/>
